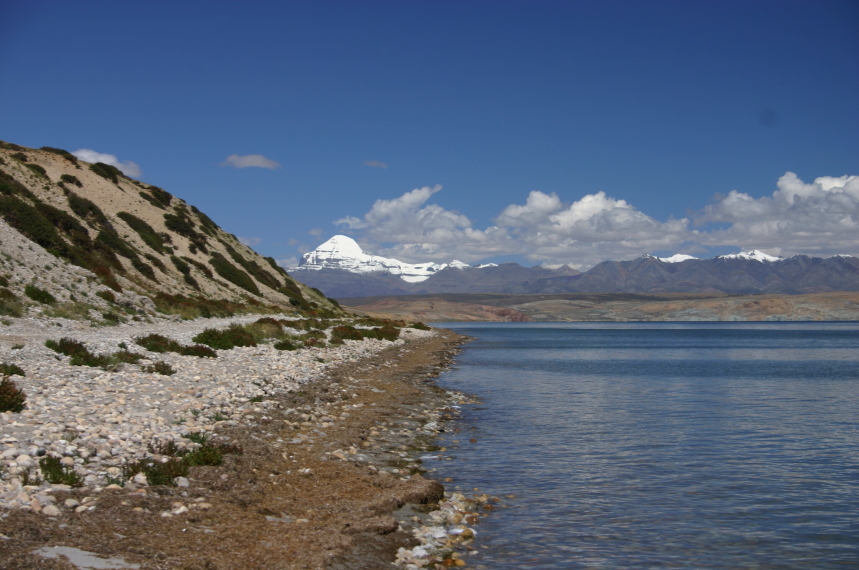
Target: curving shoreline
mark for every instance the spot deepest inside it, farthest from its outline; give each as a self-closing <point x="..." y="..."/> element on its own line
<point x="327" y="459"/>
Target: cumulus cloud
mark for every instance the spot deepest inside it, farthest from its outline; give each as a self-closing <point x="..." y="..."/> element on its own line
<point x="423" y="232"/>
<point x="250" y="160"/>
<point x="249" y="241"/>
<point x="376" y="164"/>
<point x="821" y="218"/>
<point x="127" y="167"/>
<point x="288" y="262"/>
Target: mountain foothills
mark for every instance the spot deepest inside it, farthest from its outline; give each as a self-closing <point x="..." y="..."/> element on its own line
<point x="82" y="240"/>
<point x="341" y="269"/>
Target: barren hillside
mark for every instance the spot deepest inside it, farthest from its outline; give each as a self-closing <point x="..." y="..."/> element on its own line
<point x="98" y="244"/>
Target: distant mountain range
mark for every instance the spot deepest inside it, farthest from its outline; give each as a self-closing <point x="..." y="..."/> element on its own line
<point x="339" y="268"/>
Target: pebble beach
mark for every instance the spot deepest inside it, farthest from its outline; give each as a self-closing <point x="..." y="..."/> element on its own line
<point x="369" y="405"/>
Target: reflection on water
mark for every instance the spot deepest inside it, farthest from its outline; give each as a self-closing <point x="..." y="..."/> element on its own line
<point x="662" y="445"/>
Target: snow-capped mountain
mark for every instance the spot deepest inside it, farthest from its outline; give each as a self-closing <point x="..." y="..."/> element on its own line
<point x="676" y="258"/>
<point x="754" y="255"/>
<point x="342" y="252"/>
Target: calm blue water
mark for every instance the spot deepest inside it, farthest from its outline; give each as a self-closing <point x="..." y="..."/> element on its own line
<point x="661" y="445"/>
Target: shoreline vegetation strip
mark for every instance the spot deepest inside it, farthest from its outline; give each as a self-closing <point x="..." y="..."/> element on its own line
<point x="314" y="466"/>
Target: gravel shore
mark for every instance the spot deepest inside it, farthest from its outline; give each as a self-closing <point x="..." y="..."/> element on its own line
<point x="329" y="436"/>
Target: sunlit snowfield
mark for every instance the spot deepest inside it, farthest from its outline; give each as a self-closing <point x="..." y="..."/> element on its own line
<point x="668" y="445"/>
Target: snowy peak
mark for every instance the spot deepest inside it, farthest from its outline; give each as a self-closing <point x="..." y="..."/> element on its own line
<point x="754" y="255"/>
<point x="676" y="258"/>
<point x="342" y="252"/>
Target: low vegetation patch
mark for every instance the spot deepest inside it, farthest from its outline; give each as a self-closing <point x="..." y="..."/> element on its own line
<point x="39" y="295"/>
<point x="11" y="370"/>
<point x="10" y="305"/>
<point x="225" y="339"/>
<point x="56" y="473"/>
<point x="81" y="356"/>
<point x="233" y="274"/>
<point x="37" y="170"/>
<point x="107" y="171"/>
<point x="160" y="343"/>
<point x="64" y="153"/>
<point x="159" y="367"/>
<point x="146" y="232"/>
<point x="71" y="179"/>
<point x="179" y="461"/>
<point x="12" y="398"/>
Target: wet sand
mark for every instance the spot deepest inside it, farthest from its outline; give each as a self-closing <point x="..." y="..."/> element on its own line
<point x="303" y="494"/>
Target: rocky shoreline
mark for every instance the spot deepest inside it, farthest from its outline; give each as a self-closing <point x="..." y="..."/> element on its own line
<point x="326" y="445"/>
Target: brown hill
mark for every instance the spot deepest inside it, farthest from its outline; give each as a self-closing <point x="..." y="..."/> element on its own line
<point x="840" y="306"/>
<point x="93" y="239"/>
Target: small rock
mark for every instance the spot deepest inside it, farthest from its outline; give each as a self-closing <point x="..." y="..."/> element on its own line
<point x="51" y="511"/>
<point x="72" y="503"/>
<point x="182" y="482"/>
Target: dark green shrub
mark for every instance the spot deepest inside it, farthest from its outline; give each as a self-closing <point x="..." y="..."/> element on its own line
<point x="160" y="343"/>
<point x="151" y="199"/>
<point x="275" y="266"/>
<point x="155" y="261"/>
<point x="285" y="345"/>
<point x="333" y="302"/>
<point x="11" y="187"/>
<point x="86" y="209"/>
<point x="159" y="368"/>
<point x="201" y="266"/>
<point x="107" y="296"/>
<point x="420" y="327"/>
<point x="39" y="295"/>
<point x="126" y="357"/>
<point x="20" y="156"/>
<point x="79" y="353"/>
<point x="251" y="267"/>
<point x="156" y="472"/>
<point x="56" y="473"/>
<point x="206" y="223"/>
<point x="11" y="369"/>
<point x="10" y="305"/>
<point x="64" y="153"/>
<point x="143" y="268"/>
<point x="225" y="339"/>
<point x="4" y="281"/>
<point x="107" y="171"/>
<point x="180" y="265"/>
<point x="206" y="454"/>
<point x="146" y="232"/>
<point x="111" y="317"/>
<point x="233" y="274"/>
<point x="162" y="196"/>
<point x="180" y="225"/>
<point x="197" y="436"/>
<point x="199" y="351"/>
<point x="387" y="332"/>
<point x="38" y="170"/>
<point x="346" y="332"/>
<point x="71" y="179"/>
<point x="12" y="398"/>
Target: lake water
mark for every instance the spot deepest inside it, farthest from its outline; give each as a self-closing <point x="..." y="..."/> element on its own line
<point x="660" y="445"/>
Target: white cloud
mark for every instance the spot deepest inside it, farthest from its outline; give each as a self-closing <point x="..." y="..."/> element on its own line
<point x="249" y="241"/>
<point x="423" y="232"/>
<point x="376" y="164"/>
<point x="250" y="160"/>
<point x="288" y="262"/>
<point x="821" y="218"/>
<point x="127" y="167"/>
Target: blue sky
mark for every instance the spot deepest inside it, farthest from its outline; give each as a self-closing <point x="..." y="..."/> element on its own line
<point x="559" y="132"/>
